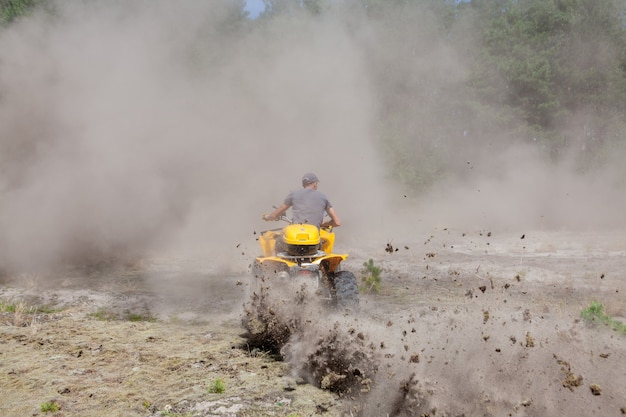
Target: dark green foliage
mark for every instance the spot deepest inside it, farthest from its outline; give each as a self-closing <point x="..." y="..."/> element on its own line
<point x="550" y="72"/>
<point x="11" y="10"/>
<point x="554" y="57"/>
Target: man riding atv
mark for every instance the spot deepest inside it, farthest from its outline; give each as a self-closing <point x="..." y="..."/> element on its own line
<point x="304" y="248"/>
<point x="298" y="276"/>
<point x="307" y="205"/>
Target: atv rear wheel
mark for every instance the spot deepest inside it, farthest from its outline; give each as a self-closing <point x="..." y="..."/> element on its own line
<point x="346" y="290"/>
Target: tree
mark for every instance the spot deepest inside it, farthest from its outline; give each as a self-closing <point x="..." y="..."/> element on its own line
<point x="554" y="56"/>
<point x="11" y="10"/>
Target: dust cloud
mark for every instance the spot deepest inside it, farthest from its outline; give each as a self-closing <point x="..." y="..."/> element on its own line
<point x="132" y="127"/>
<point x="520" y="189"/>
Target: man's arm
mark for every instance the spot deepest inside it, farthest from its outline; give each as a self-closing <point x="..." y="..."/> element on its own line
<point x="275" y="215"/>
<point x="334" y="219"/>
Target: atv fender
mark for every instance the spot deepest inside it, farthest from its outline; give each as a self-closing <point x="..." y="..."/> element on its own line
<point x="332" y="260"/>
<point x="275" y="259"/>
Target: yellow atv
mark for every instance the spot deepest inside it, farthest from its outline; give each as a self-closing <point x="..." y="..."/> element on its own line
<point x="303" y="253"/>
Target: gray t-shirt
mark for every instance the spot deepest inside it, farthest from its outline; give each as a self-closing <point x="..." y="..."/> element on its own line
<point x="308" y="206"/>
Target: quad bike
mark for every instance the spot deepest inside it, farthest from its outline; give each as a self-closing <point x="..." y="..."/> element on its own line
<point x="302" y="254"/>
<point x="295" y="281"/>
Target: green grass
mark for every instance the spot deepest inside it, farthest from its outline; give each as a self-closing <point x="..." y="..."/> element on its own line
<point x="139" y="317"/>
<point x="595" y="313"/>
<point x="371" y="277"/>
<point x="8" y="308"/>
<point x="217" y="387"/>
<point x="49" y="406"/>
<point x="103" y="315"/>
<point x="22" y="308"/>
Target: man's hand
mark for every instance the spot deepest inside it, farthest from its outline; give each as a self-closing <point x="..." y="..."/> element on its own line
<point x="267" y="217"/>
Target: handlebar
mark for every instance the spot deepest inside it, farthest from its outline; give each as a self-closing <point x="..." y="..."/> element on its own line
<point x="283" y="218"/>
<point x="290" y="221"/>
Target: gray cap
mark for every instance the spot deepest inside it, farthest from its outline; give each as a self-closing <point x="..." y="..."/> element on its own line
<point x="309" y="178"/>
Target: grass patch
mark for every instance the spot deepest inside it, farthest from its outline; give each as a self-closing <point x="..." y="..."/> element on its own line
<point x="108" y="315"/>
<point x="49" y="407"/>
<point x="371" y="277"/>
<point x="8" y="308"/>
<point x="21" y="315"/>
<point x="103" y="315"/>
<point x="139" y="317"/>
<point x="595" y="313"/>
<point x="22" y="308"/>
<point x="217" y="387"/>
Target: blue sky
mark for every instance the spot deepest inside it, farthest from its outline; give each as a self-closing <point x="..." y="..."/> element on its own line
<point x="254" y="8"/>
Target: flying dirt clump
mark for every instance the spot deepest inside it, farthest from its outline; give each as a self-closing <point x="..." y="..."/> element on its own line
<point x="334" y="356"/>
<point x="319" y="344"/>
<point x="329" y="349"/>
<point x="409" y="399"/>
<point x="267" y="319"/>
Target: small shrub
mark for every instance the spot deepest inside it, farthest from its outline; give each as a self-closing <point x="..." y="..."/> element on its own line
<point x="50" y="406"/>
<point x="371" y="277"/>
<point x="217" y="386"/>
<point x="595" y="313"/>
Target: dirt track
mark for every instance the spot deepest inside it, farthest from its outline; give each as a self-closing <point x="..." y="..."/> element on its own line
<point x="468" y="323"/>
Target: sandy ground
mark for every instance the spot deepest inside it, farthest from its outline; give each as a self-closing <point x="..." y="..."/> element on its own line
<point x="469" y="323"/>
